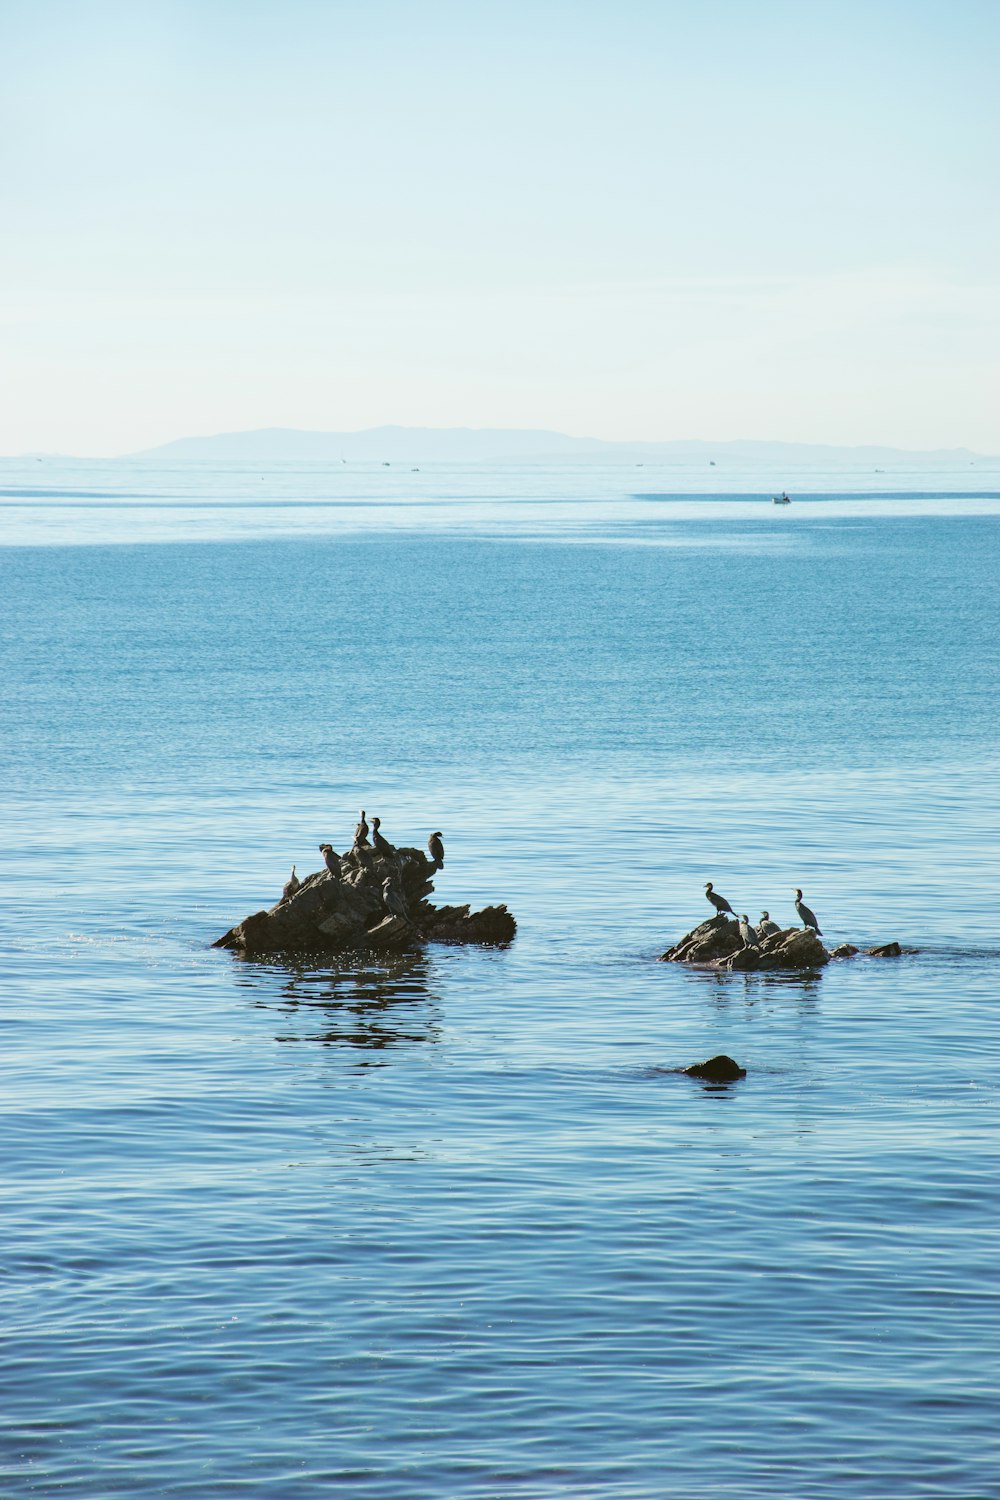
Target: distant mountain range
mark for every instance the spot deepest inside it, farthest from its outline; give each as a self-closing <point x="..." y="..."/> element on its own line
<point x="491" y="445"/>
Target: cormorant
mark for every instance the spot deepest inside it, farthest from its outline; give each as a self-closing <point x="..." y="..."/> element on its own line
<point x="747" y="933"/>
<point x="393" y="899"/>
<point x="436" y="848"/>
<point x="292" y="884"/>
<point x="331" y="860"/>
<point x="381" y="845"/>
<point x="395" y="905"/>
<point x="719" y="902"/>
<point x="765" y="927"/>
<point x="361" y="832"/>
<point x="808" y="918"/>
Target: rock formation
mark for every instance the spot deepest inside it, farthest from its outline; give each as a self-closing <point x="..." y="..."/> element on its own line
<point x="720" y="1069"/>
<point x="333" y="912"/>
<point x="717" y="944"/>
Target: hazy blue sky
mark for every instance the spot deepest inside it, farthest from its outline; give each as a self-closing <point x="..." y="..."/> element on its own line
<point x="725" y="219"/>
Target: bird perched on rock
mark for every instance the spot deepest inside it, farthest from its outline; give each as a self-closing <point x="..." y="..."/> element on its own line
<point x="747" y="933"/>
<point x="292" y="884"/>
<point x="330" y="859"/>
<point x="719" y="902"/>
<point x="436" y="848"/>
<point x="393" y="900"/>
<point x="380" y="844"/>
<point x="395" y="905"/>
<point x="807" y="917"/>
<point x="361" y="832"/>
<point x="765" y="927"/>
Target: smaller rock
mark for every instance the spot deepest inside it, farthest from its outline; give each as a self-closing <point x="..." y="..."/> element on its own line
<point x="718" y="945"/>
<point x="846" y="950"/>
<point x="721" y="1069"/>
<point x="887" y="950"/>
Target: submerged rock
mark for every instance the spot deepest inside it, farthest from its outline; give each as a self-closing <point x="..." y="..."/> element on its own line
<point x="721" y="1069"/>
<point x="717" y="944"/>
<point x="887" y="950"/>
<point x="336" y="911"/>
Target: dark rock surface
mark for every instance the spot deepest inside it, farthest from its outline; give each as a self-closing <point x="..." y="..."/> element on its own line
<point x="333" y="912"/>
<point x="721" y="1069"/>
<point x="717" y="944"/>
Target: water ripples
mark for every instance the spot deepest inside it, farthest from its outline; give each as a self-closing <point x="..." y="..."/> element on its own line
<point x="454" y="1224"/>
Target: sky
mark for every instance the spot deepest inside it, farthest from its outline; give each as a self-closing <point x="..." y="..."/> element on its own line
<point x="771" y="219"/>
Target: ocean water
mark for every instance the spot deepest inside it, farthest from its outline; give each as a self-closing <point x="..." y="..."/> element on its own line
<point x="452" y="1224"/>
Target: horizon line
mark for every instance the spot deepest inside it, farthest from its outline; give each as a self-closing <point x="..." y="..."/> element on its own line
<point x="595" y="444"/>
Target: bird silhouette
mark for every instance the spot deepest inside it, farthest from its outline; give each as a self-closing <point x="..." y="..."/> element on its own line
<point x="395" y="905"/>
<point x="381" y="845"/>
<point x="807" y="917"/>
<point x="393" y="899"/>
<point x="719" y="902"/>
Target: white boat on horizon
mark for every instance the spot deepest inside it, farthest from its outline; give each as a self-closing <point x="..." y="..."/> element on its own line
<point x="783" y="499"/>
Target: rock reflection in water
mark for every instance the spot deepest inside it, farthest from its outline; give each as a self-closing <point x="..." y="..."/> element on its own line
<point x="749" y="989"/>
<point x="368" y="1004"/>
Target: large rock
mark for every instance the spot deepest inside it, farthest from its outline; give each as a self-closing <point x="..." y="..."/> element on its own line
<point x="331" y="913"/>
<point x="718" y="945"/>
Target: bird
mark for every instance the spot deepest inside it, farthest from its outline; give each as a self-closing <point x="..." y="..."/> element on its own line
<point x="331" y="860"/>
<point x="765" y="927"/>
<point x="381" y="845"/>
<point x="361" y="832"/>
<point x="393" y="899"/>
<point x="747" y="933"/>
<point x="808" y="917"/>
<point x="292" y="884"/>
<point x="436" y="848"/>
<point x="395" y="905"/>
<point x="719" y="902"/>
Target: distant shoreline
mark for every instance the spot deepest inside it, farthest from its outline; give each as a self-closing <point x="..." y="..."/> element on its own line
<point x="415" y="445"/>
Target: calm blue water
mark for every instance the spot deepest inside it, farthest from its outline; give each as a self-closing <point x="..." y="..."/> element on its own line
<point x="450" y="1226"/>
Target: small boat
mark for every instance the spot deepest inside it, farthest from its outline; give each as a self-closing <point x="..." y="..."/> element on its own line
<point x="782" y="499"/>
